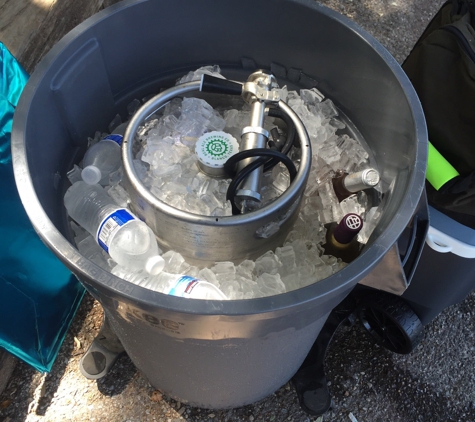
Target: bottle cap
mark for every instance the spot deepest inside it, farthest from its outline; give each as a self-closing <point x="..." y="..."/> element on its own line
<point x="114" y="137"/>
<point x="360" y="180"/>
<point x="370" y="177"/>
<point x="349" y="226"/>
<point x="213" y="149"/>
<point x="91" y="175"/>
<point x="155" y="265"/>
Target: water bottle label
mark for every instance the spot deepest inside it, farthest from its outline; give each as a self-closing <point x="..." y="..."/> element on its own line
<point x="114" y="137"/>
<point x="110" y="225"/>
<point x="184" y="286"/>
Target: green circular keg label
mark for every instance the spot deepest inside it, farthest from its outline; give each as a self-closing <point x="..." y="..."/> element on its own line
<point x="216" y="147"/>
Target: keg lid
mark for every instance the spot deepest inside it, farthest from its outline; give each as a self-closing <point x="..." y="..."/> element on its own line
<point x="213" y="149"/>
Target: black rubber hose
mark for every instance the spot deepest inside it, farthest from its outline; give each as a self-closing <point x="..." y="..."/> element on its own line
<point x="290" y="138"/>
<point x="232" y="188"/>
<point x="276" y="157"/>
<point x="241" y="175"/>
<point x="291" y="131"/>
<point x="229" y="166"/>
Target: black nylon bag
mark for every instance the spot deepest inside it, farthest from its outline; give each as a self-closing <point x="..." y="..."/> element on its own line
<point x="441" y="67"/>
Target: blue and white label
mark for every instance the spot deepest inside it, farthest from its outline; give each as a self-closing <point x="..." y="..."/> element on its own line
<point x="114" y="137"/>
<point x="109" y="226"/>
<point x="184" y="286"/>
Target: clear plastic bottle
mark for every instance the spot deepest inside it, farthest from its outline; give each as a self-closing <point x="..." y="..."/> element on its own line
<point x="173" y="284"/>
<point x="102" y="159"/>
<point x="128" y="240"/>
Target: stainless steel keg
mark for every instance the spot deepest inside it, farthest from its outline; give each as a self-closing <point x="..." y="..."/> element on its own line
<point x="230" y="238"/>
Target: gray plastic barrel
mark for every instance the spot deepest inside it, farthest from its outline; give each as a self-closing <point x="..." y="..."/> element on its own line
<point x="209" y="353"/>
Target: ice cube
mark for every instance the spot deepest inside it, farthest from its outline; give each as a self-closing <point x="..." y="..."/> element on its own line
<point x="116" y="177"/>
<point x="328" y="109"/>
<point x="165" y="128"/>
<point x="141" y="168"/>
<point x="114" y="123"/>
<point x="236" y="120"/>
<point x="225" y="273"/>
<point x="79" y="233"/>
<point x="329" y="153"/>
<point x="269" y="194"/>
<point x="311" y="96"/>
<point x="323" y="271"/>
<point x="89" y="248"/>
<point x="267" y="263"/>
<point x="331" y="210"/>
<point x="211" y="201"/>
<point x="311" y="207"/>
<point x="283" y="93"/>
<point x="270" y="284"/>
<point x="74" y="175"/>
<point x="196" y="74"/>
<point x="119" y="195"/>
<point x="221" y="212"/>
<point x="355" y="204"/>
<point x="353" y="149"/>
<point x="268" y="230"/>
<point x="175" y="263"/>
<point x="173" y="107"/>
<point x="193" y="271"/>
<point x="195" y="205"/>
<point x="224" y="267"/>
<point x="286" y="255"/>
<point x="246" y="268"/>
<point x="208" y="275"/>
<point x="177" y="201"/>
<point x="337" y="124"/>
<point x="306" y="274"/>
<point x="246" y="288"/>
<point x="370" y="222"/>
<point x="133" y="106"/>
<point x="231" y="287"/>
<point x="281" y="178"/>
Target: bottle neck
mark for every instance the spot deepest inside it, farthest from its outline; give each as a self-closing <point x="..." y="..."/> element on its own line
<point x="337" y="244"/>
<point x="347" y="184"/>
<point x="346" y="230"/>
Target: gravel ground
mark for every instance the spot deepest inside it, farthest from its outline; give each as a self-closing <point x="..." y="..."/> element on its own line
<point x="368" y="383"/>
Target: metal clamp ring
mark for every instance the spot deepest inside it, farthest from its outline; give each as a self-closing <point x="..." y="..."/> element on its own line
<point x="255" y="129"/>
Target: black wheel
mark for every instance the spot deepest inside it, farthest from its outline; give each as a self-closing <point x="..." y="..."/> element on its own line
<point x="390" y="321"/>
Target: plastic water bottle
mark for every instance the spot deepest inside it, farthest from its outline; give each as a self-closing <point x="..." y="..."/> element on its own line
<point x="173" y="284"/>
<point x="102" y="159"/>
<point x="128" y="240"/>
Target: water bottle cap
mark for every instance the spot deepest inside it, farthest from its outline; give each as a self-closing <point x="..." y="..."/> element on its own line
<point x="213" y="149"/>
<point x="155" y="265"/>
<point x="91" y="175"/>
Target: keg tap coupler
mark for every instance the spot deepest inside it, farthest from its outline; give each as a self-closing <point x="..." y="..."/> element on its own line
<point x="246" y="167"/>
<point x="258" y="92"/>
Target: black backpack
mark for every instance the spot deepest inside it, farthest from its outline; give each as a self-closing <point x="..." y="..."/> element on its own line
<point x="441" y="67"/>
